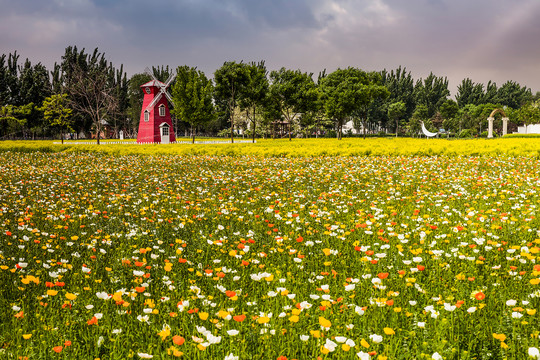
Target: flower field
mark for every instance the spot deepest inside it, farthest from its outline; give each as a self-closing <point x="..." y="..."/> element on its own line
<point x="117" y="256"/>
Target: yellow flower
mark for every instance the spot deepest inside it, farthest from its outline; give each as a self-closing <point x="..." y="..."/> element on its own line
<point x="27" y="336"/>
<point x="324" y="322"/>
<point x="315" y="333"/>
<point x="500" y="337"/>
<point x="203" y="315"/>
<point x="326" y="252"/>
<point x="294" y="318"/>
<point x="389" y="331"/>
<point x="531" y="311"/>
<point x="71" y="296"/>
<point x="535" y="281"/>
<point x="164" y="333"/>
<point x="52" y="292"/>
<point x="503" y="345"/>
<point x="345" y="347"/>
<point x="263" y="319"/>
<point x="364" y="343"/>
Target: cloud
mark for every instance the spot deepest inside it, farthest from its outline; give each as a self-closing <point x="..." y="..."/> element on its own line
<point x="482" y="39"/>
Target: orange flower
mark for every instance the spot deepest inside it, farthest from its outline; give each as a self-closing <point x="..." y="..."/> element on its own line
<point x="480" y="296"/>
<point x="178" y="340"/>
<point x="19" y="315"/>
<point x="382" y="276"/>
<point x="92" y="321"/>
<point x="67" y="343"/>
<point x="239" y="318"/>
<point x="57" y="349"/>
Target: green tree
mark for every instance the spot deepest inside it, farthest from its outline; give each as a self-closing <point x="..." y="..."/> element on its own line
<point x="349" y="92"/>
<point x="469" y="93"/>
<point x="56" y="112"/>
<point x="255" y="93"/>
<point x="431" y="92"/>
<point x="230" y="80"/>
<point x="529" y="114"/>
<point x="513" y="95"/>
<point x="396" y="111"/>
<point x="293" y="91"/>
<point x="14" y="118"/>
<point x="192" y="94"/>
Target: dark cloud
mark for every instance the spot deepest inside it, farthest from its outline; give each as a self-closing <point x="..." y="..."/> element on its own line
<point x="483" y="39"/>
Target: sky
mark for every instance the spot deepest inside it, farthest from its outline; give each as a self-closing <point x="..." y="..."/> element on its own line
<point x="497" y="40"/>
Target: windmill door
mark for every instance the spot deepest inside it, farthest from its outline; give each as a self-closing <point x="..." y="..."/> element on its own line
<point x="165" y="133"/>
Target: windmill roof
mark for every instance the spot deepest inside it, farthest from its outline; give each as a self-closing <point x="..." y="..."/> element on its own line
<point x="153" y="83"/>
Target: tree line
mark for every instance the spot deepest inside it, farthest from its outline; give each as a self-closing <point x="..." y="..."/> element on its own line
<point x="85" y="94"/>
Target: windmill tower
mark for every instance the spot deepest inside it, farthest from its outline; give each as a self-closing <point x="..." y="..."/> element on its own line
<point x="155" y="125"/>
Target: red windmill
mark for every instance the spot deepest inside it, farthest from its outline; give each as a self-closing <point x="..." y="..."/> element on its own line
<point x="155" y="125"/>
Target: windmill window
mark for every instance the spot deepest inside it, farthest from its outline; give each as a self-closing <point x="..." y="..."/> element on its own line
<point x="165" y="131"/>
<point x="146" y="115"/>
<point x="161" y="110"/>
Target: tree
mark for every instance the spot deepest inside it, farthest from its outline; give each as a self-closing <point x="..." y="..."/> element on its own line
<point x="14" y="118"/>
<point x="255" y="93"/>
<point x="230" y="81"/>
<point x="192" y="94"/>
<point x="396" y="111"/>
<point x="431" y="92"/>
<point x="34" y="87"/>
<point x="529" y="114"/>
<point x="400" y="85"/>
<point x="57" y="113"/>
<point x="469" y="93"/>
<point x="91" y="88"/>
<point x="292" y="90"/>
<point x="348" y="92"/>
<point x="513" y="95"/>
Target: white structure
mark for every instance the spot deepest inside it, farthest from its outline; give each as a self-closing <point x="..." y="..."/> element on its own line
<point x="491" y="118"/>
<point x="529" y="129"/>
<point x="426" y="131"/>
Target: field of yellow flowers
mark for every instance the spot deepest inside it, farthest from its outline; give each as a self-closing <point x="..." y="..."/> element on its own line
<point x="213" y="256"/>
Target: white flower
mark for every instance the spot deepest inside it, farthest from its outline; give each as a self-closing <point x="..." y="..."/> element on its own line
<point x="350" y="287"/>
<point x="103" y="295"/>
<point x="421" y="324"/>
<point x="330" y="345"/>
<point x="359" y="310"/>
<point x="220" y="227"/>
<point x="449" y="307"/>
<point x="341" y="339"/>
<point x="350" y="342"/>
<point x="145" y="356"/>
<point x="142" y="318"/>
<point x="138" y="273"/>
<point x="304" y="337"/>
<point x="232" y="332"/>
<point x="436" y="356"/>
<point x="517" y="315"/>
<point x="117" y="331"/>
<point x="231" y="357"/>
<point x="376" y="338"/>
<point x="534" y="352"/>
<point x="85" y="269"/>
<point x="511" y="303"/>
<point x="98" y="315"/>
<point x="363" y="355"/>
<point x="471" y="309"/>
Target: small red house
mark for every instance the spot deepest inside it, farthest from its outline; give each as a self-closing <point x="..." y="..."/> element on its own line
<point x="155" y="125"/>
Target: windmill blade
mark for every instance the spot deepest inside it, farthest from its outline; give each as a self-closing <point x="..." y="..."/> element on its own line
<point x="170" y="79"/>
<point x="154" y="101"/>
<point x="169" y="97"/>
<point x="149" y="72"/>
